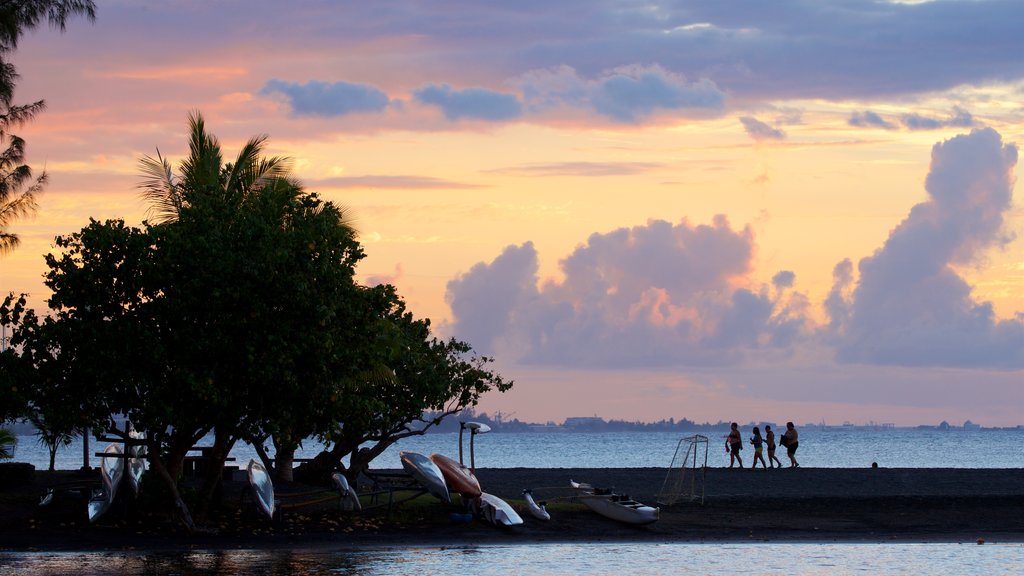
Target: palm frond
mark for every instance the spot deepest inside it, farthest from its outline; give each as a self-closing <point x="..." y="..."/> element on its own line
<point x="200" y="171"/>
<point x="159" y="189"/>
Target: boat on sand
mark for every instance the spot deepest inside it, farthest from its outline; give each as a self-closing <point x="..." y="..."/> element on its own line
<point x="262" y="488"/>
<point x="497" y="511"/>
<point x="458" y="477"/>
<point x="111" y="472"/>
<point x="426" y="474"/>
<point x="539" y="511"/>
<point x="349" y="496"/>
<point x="136" y="460"/>
<point x="615" y="506"/>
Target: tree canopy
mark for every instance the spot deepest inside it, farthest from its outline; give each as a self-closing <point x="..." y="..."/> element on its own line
<point x="234" y="313"/>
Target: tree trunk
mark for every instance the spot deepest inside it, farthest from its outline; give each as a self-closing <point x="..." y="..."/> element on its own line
<point x="284" y="461"/>
<point x="172" y="484"/>
<point x="53" y="456"/>
<point x="214" y="473"/>
<point x="319" y="469"/>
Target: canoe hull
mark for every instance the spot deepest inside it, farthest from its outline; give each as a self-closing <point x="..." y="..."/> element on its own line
<point x="427" y="474"/>
<point x="262" y="488"/>
<point x="348" y="494"/>
<point x="111" y="472"/>
<point x="615" y="506"/>
<point x="537" y="510"/>
<point x="497" y="511"/>
<point x="458" y="478"/>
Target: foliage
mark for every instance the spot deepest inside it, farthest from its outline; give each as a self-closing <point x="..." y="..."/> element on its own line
<point x="236" y="312"/>
<point x="18" y="189"/>
<point x="8" y="441"/>
<point x="409" y="374"/>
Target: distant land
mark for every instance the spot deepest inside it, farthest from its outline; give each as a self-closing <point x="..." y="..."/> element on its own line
<point x="502" y="423"/>
<point x="592" y="424"/>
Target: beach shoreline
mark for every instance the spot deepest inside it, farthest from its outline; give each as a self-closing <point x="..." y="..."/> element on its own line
<point x="775" y="506"/>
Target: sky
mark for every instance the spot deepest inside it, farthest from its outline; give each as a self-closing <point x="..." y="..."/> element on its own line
<point x="738" y="210"/>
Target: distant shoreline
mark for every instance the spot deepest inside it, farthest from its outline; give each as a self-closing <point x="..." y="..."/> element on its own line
<point x="798" y="505"/>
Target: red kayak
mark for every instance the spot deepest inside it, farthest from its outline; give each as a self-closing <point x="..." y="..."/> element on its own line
<point x="459" y="478"/>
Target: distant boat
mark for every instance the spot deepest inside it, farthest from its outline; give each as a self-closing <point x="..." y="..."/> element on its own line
<point x="615" y="506"/>
<point x="427" y="474"/>
<point x="262" y="488"/>
<point x="111" y="471"/>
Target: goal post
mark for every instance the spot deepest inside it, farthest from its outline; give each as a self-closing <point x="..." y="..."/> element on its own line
<point x="685" y="478"/>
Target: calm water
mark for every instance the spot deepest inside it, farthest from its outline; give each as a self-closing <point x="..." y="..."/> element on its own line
<point x="901" y="447"/>
<point x="549" y="559"/>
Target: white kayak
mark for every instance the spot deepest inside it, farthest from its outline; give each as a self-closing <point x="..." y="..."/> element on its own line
<point x="347" y="493"/>
<point x="497" y="511"/>
<point x="262" y="488"/>
<point x="111" y="471"/>
<point x="426" y="473"/>
<point x="615" y="506"/>
<point x="539" y="511"/>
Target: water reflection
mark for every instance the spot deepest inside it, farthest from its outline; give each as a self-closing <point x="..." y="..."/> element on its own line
<point x="548" y="559"/>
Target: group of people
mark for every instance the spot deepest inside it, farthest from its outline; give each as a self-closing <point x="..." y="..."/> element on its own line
<point x="734" y="443"/>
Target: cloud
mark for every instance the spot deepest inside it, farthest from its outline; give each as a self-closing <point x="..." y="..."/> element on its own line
<point x="585" y="169"/>
<point x="959" y="118"/>
<point x="390" y="182"/>
<point x="760" y="131"/>
<point x="627" y="94"/>
<point x="910" y="307"/>
<point x="662" y="294"/>
<point x="472" y="103"/>
<point x="633" y="93"/>
<point x="316" y="98"/>
<point x="870" y="119"/>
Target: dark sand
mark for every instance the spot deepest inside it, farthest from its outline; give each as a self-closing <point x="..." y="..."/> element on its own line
<point x="782" y="505"/>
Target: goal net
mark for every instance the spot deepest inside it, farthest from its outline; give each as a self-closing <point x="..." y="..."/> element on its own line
<point x="684" y="481"/>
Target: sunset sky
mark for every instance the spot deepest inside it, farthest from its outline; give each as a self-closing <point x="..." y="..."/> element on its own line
<point x="732" y="210"/>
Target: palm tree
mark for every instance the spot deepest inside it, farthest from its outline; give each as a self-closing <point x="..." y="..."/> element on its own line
<point x="202" y="174"/>
<point x="17" y="190"/>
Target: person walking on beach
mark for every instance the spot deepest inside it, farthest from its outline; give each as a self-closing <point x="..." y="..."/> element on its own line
<point x="769" y="439"/>
<point x="758" y="443"/>
<point x="789" y="440"/>
<point x="735" y="441"/>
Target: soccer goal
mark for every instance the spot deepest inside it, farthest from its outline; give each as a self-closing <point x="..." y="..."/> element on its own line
<point x="685" y="478"/>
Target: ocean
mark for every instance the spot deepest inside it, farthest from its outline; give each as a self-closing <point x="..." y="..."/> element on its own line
<point x="819" y="447"/>
<point x="789" y="559"/>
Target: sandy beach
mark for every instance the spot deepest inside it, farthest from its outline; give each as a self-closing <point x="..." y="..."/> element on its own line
<point x="780" y="505"/>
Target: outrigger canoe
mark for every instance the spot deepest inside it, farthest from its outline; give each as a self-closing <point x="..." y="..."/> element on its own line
<point x="136" y="461"/>
<point x="262" y="488"/>
<point x="346" y="492"/>
<point x="111" y="471"/>
<point x="497" y="511"/>
<point x="539" y="511"/>
<point x="458" y="478"/>
<point x="614" y="506"/>
<point x="426" y="473"/>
